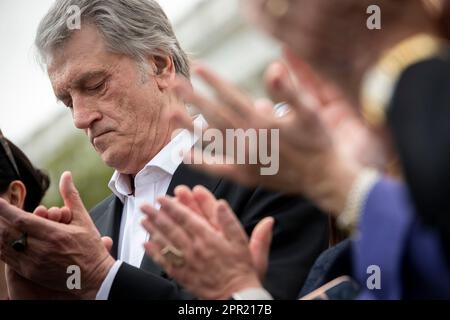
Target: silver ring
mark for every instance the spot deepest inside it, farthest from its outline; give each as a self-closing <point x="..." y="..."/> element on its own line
<point x="20" y="244"/>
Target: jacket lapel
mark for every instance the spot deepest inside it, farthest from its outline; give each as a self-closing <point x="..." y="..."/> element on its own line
<point x="185" y="175"/>
<point x="108" y="224"/>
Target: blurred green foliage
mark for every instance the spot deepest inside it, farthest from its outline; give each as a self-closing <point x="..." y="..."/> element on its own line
<point x="90" y="174"/>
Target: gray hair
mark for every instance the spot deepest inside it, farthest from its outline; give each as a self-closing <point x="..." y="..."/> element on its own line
<point x="136" y="28"/>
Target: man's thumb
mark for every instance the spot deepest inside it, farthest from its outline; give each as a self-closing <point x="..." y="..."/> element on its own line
<point x="70" y="194"/>
<point x="108" y="243"/>
<point x="260" y="245"/>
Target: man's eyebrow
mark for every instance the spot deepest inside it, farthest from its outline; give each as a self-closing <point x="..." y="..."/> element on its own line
<point x="83" y="78"/>
<point x="80" y="81"/>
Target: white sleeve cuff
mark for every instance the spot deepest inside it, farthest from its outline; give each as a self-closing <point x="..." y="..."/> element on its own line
<point x="253" y="294"/>
<point x="105" y="288"/>
<point x="348" y="220"/>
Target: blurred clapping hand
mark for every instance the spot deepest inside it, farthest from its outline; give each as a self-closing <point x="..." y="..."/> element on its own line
<point x="218" y="259"/>
<point x="323" y="143"/>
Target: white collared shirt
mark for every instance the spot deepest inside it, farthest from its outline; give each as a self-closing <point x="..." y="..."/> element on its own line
<point x="151" y="183"/>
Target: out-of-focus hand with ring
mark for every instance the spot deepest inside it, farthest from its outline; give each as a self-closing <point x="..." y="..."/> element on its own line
<point x="208" y="251"/>
<point x="323" y="142"/>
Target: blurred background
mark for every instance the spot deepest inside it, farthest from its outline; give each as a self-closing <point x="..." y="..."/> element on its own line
<point x="209" y="30"/>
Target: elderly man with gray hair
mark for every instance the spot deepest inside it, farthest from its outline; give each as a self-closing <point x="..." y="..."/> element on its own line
<point x="114" y="74"/>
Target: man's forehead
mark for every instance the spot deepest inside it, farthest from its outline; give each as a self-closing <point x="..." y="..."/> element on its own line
<point x="85" y="49"/>
<point x="71" y="72"/>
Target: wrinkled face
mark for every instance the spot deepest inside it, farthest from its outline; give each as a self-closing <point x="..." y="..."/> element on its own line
<point x="123" y="113"/>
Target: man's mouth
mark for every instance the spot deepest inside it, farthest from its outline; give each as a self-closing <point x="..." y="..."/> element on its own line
<point x="99" y="136"/>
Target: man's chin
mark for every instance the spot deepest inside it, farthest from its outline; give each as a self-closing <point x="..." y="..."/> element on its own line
<point x="108" y="158"/>
<point x="113" y="161"/>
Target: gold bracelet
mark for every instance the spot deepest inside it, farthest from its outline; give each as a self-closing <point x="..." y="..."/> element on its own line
<point x="379" y="82"/>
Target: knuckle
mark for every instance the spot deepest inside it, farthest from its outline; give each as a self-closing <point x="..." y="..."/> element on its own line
<point x="179" y="219"/>
<point x="198" y="248"/>
<point x="75" y="195"/>
<point x="60" y="237"/>
<point x="162" y="225"/>
<point x="207" y="254"/>
<point x="19" y="223"/>
<point x="4" y="235"/>
<point x="175" y="235"/>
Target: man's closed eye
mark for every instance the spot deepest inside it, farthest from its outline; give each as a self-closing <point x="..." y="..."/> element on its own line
<point x="96" y="88"/>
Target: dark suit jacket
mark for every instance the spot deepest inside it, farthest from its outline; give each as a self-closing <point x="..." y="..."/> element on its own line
<point x="300" y="235"/>
<point x="331" y="264"/>
<point x="419" y="118"/>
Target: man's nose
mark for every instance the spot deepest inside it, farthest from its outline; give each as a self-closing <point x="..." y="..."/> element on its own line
<point x="84" y="113"/>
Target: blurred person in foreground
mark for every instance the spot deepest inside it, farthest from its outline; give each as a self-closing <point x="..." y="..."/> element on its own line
<point x="114" y="76"/>
<point x="399" y="232"/>
<point x="407" y="59"/>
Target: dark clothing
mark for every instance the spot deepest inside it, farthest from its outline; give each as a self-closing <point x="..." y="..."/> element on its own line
<point x="419" y="118"/>
<point x="300" y="235"/>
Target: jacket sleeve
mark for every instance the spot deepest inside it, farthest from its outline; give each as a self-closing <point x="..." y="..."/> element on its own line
<point x="134" y="283"/>
<point x="394" y="241"/>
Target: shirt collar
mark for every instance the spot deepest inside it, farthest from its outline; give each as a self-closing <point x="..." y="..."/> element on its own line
<point x="167" y="160"/>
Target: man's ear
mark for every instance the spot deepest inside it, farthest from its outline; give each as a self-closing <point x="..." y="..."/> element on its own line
<point x="164" y="69"/>
<point x="16" y="193"/>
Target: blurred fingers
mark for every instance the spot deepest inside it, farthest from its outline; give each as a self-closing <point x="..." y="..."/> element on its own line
<point x="229" y="94"/>
<point x="278" y="79"/>
<point x="161" y="223"/>
<point x="186" y="197"/>
<point x="216" y="115"/>
<point x="260" y="242"/>
<point x="66" y="215"/>
<point x="108" y="243"/>
<point x="230" y="225"/>
<point x="41" y="211"/>
<point x="54" y="214"/>
<point x="182" y="216"/>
